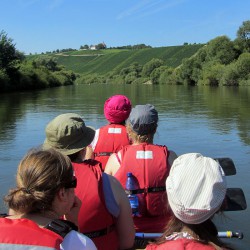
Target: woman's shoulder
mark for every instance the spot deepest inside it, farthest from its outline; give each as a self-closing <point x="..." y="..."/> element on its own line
<point x="180" y="244"/>
<point x="75" y="241"/>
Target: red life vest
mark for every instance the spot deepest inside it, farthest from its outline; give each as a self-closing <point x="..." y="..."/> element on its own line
<point x="111" y="138"/>
<point x="24" y="233"/>
<point x="149" y="165"/>
<point x="94" y="219"/>
<point x="180" y="244"/>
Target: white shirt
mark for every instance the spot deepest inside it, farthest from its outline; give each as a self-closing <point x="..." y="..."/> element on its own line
<point x="95" y="140"/>
<point x="75" y="241"/>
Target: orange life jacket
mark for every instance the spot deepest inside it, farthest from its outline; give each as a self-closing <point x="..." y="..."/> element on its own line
<point x="149" y="164"/>
<point x="94" y="220"/>
<point x="180" y="244"/>
<point x="111" y="138"/>
<point x="24" y="233"/>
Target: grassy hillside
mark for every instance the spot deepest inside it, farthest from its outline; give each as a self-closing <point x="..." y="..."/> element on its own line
<point x="103" y="61"/>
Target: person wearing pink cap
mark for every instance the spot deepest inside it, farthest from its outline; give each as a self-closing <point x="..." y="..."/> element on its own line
<point x="111" y="137"/>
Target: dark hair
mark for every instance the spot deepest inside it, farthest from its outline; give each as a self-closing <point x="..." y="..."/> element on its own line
<point x="40" y="175"/>
<point x="73" y="157"/>
<point x="206" y="231"/>
<point x="121" y="123"/>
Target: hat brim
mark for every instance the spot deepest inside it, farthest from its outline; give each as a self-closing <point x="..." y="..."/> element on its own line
<point x="89" y="134"/>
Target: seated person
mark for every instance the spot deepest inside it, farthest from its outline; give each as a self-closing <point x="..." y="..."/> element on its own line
<point x="106" y="214"/>
<point x="149" y="163"/>
<point x="196" y="188"/>
<point x="44" y="194"/>
<point x="111" y="137"/>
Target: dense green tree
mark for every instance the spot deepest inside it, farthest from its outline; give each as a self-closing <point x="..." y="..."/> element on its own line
<point x="10" y="57"/>
<point x="134" y="68"/>
<point x="48" y="62"/>
<point x="244" y="30"/>
<point x="140" y="46"/>
<point x="243" y="35"/>
<point x="101" y="46"/>
<point x="166" y="76"/>
<point x="188" y="71"/>
<point x="130" y="77"/>
<point x="221" y="49"/>
<point x="172" y="78"/>
<point x="85" y="47"/>
<point x="157" y="72"/>
<point x="242" y="66"/>
<point x="211" y="74"/>
<point x="230" y="76"/>
<point x="150" y="66"/>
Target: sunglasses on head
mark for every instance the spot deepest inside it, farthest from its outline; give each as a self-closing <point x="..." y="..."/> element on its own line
<point x="72" y="183"/>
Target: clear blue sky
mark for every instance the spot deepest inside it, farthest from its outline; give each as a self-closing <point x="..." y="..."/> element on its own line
<point x="47" y="25"/>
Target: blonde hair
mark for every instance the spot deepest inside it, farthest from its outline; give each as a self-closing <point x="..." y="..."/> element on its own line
<point x="40" y="175"/>
<point x="136" y="138"/>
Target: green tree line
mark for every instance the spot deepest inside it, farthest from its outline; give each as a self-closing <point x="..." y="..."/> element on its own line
<point x="219" y="62"/>
<point x="16" y="73"/>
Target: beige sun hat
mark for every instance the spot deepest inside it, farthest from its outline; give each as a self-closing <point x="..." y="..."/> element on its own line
<point x="196" y="188"/>
<point x="68" y="134"/>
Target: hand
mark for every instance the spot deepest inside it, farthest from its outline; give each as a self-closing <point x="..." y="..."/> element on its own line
<point x="72" y="215"/>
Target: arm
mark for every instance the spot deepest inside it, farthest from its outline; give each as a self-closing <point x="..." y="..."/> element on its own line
<point x="112" y="165"/>
<point x="125" y="224"/>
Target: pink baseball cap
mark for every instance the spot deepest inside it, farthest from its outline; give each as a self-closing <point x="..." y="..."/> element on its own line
<point x="117" y="108"/>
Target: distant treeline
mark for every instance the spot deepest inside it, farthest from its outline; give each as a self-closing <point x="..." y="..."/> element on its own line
<point x="99" y="46"/>
<point x="137" y="46"/>
<point x="219" y="62"/>
<point x="16" y="73"/>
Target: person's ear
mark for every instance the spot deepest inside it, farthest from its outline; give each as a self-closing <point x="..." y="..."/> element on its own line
<point x="62" y="194"/>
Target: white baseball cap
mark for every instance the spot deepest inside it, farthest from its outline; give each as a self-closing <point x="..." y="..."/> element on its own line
<point x="196" y="188"/>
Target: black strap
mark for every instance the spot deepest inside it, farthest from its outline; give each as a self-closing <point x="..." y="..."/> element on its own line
<point x="146" y="190"/>
<point x="101" y="232"/>
<point x="3" y="215"/>
<point x="103" y="154"/>
<point x="61" y="227"/>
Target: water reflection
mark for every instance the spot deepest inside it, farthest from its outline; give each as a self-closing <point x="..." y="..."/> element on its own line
<point x="213" y="121"/>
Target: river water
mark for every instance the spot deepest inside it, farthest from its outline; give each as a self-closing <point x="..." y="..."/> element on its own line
<point x="212" y="121"/>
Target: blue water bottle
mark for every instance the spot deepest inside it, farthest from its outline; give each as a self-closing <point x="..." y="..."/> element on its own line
<point x="131" y="184"/>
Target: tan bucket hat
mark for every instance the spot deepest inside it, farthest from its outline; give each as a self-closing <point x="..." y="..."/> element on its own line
<point x="68" y="134"/>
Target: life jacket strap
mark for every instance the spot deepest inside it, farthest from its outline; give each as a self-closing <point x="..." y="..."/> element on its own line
<point x="101" y="232"/>
<point x="3" y="215"/>
<point x="103" y="154"/>
<point x="146" y="190"/>
<point x="61" y="227"/>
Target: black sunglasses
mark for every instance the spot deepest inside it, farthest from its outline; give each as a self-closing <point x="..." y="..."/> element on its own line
<point x="72" y="183"/>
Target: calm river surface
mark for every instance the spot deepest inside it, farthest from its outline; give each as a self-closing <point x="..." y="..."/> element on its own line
<point x="212" y="121"/>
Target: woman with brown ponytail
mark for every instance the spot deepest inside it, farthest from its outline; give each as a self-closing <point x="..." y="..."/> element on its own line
<point x="44" y="194"/>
